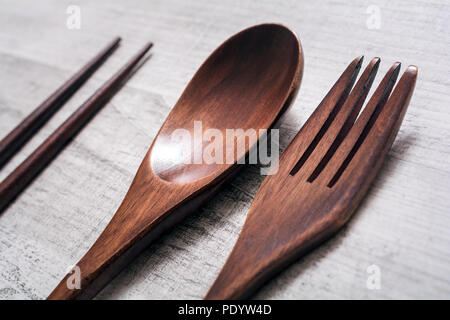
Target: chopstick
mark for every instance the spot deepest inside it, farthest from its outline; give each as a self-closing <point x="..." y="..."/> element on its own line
<point x="35" y="120"/>
<point x="28" y="169"/>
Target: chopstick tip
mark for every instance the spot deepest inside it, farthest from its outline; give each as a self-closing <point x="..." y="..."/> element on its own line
<point x="148" y="46"/>
<point x="116" y="40"/>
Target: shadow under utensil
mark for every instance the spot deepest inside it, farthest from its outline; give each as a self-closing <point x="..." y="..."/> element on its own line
<point x="198" y="228"/>
<point x="136" y="68"/>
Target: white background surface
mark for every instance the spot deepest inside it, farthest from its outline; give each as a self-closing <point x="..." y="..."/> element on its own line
<point x="402" y="226"/>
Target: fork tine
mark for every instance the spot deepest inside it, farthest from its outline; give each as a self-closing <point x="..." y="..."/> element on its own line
<point x="317" y="124"/>
<point x="374" y="132"/>
<point x="341" y="124"/>
<point x="377" y="101"/>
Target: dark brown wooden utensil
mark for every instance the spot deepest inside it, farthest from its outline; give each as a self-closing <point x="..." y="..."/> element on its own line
<point x="33" y="122"/>
<point x="31" y="166"/>
<point x="323" y="175"/>
<point x="245" y="83"/>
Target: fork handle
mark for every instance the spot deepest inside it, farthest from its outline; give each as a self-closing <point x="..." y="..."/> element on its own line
<point x="244" y="273"/>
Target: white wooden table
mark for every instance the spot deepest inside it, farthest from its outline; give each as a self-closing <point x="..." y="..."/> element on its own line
<point x="402" y="226"/>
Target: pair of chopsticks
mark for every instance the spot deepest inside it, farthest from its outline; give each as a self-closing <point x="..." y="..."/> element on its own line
<point x="31" y="166"/>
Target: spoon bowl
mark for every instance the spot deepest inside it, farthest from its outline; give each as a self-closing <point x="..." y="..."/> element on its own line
<point x="241" y="85"/>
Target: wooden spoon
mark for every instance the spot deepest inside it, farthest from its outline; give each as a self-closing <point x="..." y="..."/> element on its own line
<point x="246" y="83"/>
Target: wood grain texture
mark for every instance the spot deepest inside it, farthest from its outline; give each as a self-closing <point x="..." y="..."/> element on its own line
<point x="401" y="226"/>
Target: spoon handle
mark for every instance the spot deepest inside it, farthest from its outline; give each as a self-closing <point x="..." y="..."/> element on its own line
<point x="150" y="207"/>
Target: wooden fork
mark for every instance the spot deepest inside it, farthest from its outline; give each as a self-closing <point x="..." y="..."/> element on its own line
<point x="323" y="175"/>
